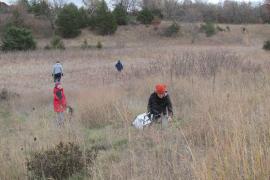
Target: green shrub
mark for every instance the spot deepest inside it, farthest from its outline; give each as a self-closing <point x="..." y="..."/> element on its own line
<point x="39" y="7"/>
<point x="104" y="21"/>
<point x="85" y="45"/>
<point x="172" y="30"/>
<point x="209" y="29"/>
<point x="99" y="45"/>
<point x="68" y="22"/>
<point x="15" y="38"/>
<point x="83" y="18"/>
<point x="145" y="16"/>
<point x="60" y="162"/>
<point x="57" y="43"/>
<point x="120" y="15"/>
<point x="106" y="24"/>
<point x="157" y="13"/>
<point x="266" y="45"/>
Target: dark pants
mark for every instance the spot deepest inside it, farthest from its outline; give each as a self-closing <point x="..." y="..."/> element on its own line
<point x="57" y="77"/>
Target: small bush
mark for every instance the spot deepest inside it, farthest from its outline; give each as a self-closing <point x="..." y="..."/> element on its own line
<point x="60" y="162"/>
<point x="172" y="30"/>
<point x="15" y="38"/>
<point x="47" y="47"/>
<point x="85" y="44"/>
<point x="266" y="45"/>
<point x="132" y="20"/>
<point x="4" y="95"/>
<point x="209" y="29"/>
<point x="145" y="16"/>
<point x="99" y="45"/>
<point x="157" y="13"/>
<point x="156" y="22"/>
<point x="57" y="43"/>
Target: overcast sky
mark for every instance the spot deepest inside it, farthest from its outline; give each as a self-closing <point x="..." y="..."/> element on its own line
<point x="79" y="2"/>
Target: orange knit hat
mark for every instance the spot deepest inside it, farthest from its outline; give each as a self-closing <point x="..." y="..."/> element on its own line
<point x="161" y="88"/>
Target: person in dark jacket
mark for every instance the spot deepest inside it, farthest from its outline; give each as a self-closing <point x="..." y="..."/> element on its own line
<point x="119" y="66"/>
<point x="160" y="103"/>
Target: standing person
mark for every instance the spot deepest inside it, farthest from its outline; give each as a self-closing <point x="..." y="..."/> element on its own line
<point x="57" y="71"/>
<point x="59" y="103"/>
<point x="159" y="103"/>
<point x="119" y="66"/>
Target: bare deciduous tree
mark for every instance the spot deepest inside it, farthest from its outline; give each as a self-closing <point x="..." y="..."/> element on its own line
<point x="91" y="5"/>
<point x="130" y="5"/>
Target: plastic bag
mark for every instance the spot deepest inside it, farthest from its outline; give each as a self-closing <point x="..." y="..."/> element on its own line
<point x="142" y="120"/>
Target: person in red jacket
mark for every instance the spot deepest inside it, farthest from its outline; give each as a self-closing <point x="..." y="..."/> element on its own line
<point x="59" y="103"/>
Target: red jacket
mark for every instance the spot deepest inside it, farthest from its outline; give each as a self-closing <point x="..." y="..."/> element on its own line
<point x="59" y="100"/>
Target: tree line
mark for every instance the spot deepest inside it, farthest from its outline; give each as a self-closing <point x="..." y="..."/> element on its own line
<point x="67" y="20"/>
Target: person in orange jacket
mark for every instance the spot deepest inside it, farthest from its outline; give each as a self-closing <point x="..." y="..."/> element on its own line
<point x="59" y="103"/>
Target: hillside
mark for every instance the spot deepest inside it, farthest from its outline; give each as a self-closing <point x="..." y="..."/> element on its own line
<point x="140" y="35"/>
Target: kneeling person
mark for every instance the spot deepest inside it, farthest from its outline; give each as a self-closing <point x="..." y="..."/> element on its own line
<point x="159" y="103"/>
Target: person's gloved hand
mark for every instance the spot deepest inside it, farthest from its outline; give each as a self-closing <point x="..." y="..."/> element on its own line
<point x="62" y="74"/>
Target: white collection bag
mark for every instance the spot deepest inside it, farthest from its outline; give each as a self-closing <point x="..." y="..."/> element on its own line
<point x="142" y="120"/>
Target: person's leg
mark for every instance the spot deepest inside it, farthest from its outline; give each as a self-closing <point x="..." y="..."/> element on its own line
<point x="62" y="118"/>
<point x="164" y="121"/>
<point x="54" y="77"/>
<point x="58" y="119"/>
<point x="57" y="77"/>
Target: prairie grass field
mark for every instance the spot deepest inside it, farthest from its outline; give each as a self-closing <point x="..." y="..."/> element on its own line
<point x="220" y="90"/>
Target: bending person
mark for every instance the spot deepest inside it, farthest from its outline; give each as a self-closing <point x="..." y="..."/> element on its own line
<point x="159" y="103"/>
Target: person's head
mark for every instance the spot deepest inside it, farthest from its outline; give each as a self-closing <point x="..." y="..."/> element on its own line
<point x="161" y="90"/>
<point x="57" y="61"/>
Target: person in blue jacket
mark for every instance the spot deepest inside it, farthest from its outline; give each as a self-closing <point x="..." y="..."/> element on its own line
<point x="119" y="66"/>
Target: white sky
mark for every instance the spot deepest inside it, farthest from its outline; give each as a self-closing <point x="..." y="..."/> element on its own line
<point x="79" y="2"/>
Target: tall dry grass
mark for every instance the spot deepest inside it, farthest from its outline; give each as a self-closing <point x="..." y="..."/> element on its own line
<point x="220" y="128"/>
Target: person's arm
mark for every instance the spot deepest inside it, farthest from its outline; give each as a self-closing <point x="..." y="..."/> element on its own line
<point x="53" y="70"/>
<point x="62" y="70"/>
<point x="169" y="106"/>
<point x="152" y="106"/>
<point x="149" y="106"/>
